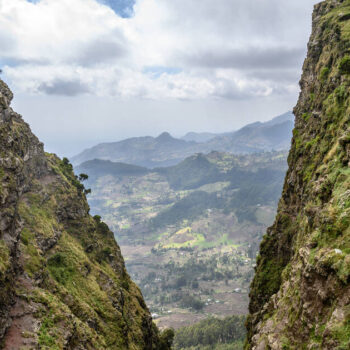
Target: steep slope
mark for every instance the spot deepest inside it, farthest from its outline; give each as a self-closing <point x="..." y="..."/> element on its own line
<point x="300" y="296"/>
<point x="63" y="284"/>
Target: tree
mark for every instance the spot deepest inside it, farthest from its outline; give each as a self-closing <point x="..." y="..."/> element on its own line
<point x="166" y="339"/>
<point x="87" y="191"/>
<point x="97" y="218"/>
<point x="83" y="177"/>
<point x="344" y="66"/>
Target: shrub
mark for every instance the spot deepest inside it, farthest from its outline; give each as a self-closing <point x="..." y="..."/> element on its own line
<point x="191" y="301"/>
<point x="166" y="339"/>
<point x="324" y="74"/>
<point x="83" y="177"/>
<point x="60" y="268"/>
<point x="97" y="218"/>
<point x="344" y="66"/>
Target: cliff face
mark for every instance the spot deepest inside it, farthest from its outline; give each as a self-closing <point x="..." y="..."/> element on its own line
<point x="63" y="284"/>
<point x="300" y="296"/>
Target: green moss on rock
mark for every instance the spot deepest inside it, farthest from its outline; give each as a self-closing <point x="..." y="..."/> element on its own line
<point x="300" y="294"/>
<point x="62" y="268"/>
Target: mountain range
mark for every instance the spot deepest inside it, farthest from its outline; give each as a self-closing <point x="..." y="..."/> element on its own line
<point x="165" y="150"/>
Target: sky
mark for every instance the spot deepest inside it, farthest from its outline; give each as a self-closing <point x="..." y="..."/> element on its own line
<point x="90" y="71"/>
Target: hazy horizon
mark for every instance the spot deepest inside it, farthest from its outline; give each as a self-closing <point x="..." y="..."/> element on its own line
<point x="88" y="71"/>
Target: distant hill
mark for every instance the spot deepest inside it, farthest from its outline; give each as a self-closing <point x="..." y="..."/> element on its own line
<point x="147" y="151"/>
<point x="272" y="135"/>
<point x="165" y="150"/>
<point x="193" y="172"/>
<point x="99" y="167"/>
<point x="198" y="137"/>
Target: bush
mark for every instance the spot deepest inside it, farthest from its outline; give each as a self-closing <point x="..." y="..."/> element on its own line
<point x="101" y="226"/>
<point x="97" y="218"/>
<point x="83" y="177"/>
<point x="344" y="66"/>
<point x="60" y="268"/>
<point x="191" y="301"/>
<point x="166" y="339"/>
<point x="324" y="74"/>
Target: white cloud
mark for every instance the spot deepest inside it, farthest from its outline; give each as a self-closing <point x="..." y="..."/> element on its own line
<point x="222" y="49"/>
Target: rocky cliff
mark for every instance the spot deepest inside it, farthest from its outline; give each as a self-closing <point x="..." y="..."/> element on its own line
<point x="63" y="284"/>
<point x="300" y="296"/>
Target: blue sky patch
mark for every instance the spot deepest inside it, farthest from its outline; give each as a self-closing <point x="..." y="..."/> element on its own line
<point x="123" y="8"/>
<point x="157" y="71"/>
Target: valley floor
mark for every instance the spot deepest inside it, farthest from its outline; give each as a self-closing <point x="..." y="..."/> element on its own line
<point x="166" y="290"/>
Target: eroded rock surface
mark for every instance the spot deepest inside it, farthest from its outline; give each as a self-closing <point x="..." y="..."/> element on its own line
<point x="63" y="283"/>
<point x="300" y="296"/>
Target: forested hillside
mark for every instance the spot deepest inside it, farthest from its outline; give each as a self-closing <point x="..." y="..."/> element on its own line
<point x="212" y="334"/>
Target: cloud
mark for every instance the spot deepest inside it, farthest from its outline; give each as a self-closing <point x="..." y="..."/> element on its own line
<point x="101" y="50"/>
<point x="59" y="31"/>
<point x="64" y="88"/>
<point x="248" y="58"/>
<point x="151" y="49"/>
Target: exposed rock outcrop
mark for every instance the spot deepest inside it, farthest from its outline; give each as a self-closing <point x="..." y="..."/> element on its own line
<point x="63" y="283"/>
<point x="300" y="296"/>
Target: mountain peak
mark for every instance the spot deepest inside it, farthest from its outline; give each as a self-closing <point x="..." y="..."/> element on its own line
<point x="164" y="136"/>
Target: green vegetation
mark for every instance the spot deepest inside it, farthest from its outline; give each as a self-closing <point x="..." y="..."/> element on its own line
<point x="192" y="173"/>
<point x="188" y="208"/>
<point x="212" y="334"/>
<point x="46" y="340"/>
<point x="4" y="258"/>
<point x="309" y="243"/>
<point x="61" y="267"/>
<point x="189" y="301"/>
<point x="190" y="233"/>
<point x="324" y="74"/>
<point x="306" y="116"/>
<point x="344" y="65"/>
<point x="166" y="339"/>
<point x="187" y="237"/>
